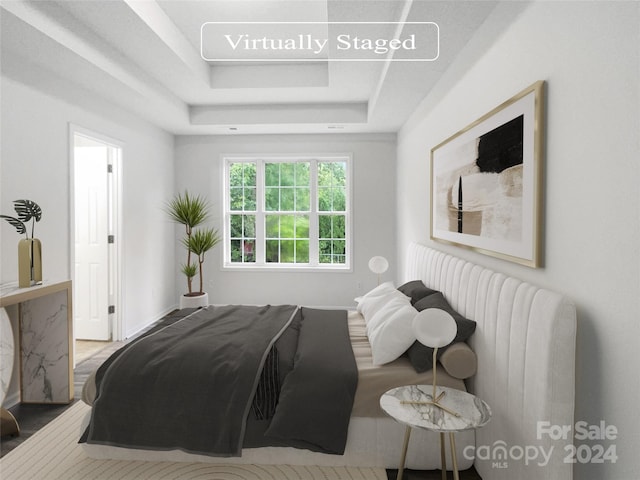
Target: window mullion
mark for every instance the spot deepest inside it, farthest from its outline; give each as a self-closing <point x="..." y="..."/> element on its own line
<point x="260" y="217"/>
<point x="314" y="258"/>
<point x="227" y="209"/>
<point x="348" y="214"/>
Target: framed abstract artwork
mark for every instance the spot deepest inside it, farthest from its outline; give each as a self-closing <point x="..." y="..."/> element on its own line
<point x="486" y="182"/>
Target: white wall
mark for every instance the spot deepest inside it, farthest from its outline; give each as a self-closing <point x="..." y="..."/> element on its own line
<point x="588" y="52"/>
<point x="36" y="112"/>
<point x="198" y="168"/>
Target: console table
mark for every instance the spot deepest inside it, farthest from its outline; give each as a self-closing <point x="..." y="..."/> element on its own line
<point x="45" y="333"/>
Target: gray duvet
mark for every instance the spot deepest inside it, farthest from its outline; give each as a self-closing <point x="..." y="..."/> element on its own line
<point x="191" y="384"/>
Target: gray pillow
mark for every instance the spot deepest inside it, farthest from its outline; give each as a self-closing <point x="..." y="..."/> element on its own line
<point x="416" y="290"/>
<point x="420" y="355"/>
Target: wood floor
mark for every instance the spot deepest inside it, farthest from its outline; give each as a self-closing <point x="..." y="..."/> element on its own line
<point x="32" y="418"/>
<point x="87" y="348"/>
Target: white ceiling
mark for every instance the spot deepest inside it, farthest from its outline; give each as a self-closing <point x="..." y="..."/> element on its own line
<point x="145" y="56"/>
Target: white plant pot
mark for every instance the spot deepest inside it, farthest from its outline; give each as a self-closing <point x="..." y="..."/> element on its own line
<point x="194" y="302"/>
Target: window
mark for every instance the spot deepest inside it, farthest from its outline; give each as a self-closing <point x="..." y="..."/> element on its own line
<point x="287" y="212"/>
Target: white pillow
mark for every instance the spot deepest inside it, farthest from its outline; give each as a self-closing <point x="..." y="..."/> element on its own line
<point x="390" y="330"/>
<point x="378" y="291"/>
<point x="383" y="312"/>
<point x="375" y="299"/>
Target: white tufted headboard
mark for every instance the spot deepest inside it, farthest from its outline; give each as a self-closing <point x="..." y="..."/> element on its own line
<point x="525" y="342"/>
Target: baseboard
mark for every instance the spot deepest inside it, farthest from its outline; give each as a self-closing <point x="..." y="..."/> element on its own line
<point x="156" y="318"/>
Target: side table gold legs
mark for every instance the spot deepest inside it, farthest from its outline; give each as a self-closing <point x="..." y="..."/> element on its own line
<point x="454" y="458"/>
<point x="403" y="459"/>
<point x="8" y="423"/>
<point x="443" y="455"/>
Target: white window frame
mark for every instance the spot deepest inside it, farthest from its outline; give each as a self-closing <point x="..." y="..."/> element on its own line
<point x="260" y="264"/>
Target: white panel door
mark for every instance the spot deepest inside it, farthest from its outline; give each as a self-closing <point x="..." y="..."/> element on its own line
<point x="91" y="312"/>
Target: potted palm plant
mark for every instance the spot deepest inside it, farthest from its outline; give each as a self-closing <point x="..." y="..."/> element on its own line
<point x="191" y="211"/>
<point x="200" y="242"/>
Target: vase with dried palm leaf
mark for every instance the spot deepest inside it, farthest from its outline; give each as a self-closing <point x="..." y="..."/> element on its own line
<point x="29" y="248"/>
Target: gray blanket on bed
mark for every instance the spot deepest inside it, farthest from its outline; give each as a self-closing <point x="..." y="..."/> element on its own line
<point x="190" y="385"/>
<point x="316" y="398"/>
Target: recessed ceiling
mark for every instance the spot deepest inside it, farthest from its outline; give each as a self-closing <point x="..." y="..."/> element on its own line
<point x="188" y="66"/>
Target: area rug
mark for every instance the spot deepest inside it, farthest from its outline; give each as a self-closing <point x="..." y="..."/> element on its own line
<point x="54" y="454"/>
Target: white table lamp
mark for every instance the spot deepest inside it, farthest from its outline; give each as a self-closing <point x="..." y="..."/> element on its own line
<point x="378" y="265"/>
<point x="435" y="328"/>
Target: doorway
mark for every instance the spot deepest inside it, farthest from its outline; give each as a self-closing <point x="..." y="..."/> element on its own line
<point x="95" y="218"/>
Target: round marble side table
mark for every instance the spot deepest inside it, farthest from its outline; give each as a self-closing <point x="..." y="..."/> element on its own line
<point x="413" y="406"/>
<point x="8" y="424"/>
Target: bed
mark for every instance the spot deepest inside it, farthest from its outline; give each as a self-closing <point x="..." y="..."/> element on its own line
<point x="372" y="438"/>
<point x="522" y="385"/>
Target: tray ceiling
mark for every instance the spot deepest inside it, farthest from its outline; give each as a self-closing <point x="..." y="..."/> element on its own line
<point x="156" y="59"/>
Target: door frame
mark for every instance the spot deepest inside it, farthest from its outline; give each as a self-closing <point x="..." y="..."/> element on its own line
<point x="115" y="220"/>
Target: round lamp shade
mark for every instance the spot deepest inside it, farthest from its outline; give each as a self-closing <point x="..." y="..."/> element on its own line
<point x="434" y="328"/>
<point x="378" y="264"/>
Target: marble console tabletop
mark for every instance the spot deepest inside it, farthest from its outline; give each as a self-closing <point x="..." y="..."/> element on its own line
<point x="11" y="294"/>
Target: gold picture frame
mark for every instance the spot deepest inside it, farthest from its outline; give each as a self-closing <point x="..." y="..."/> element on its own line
<point x="486" y="182"/>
